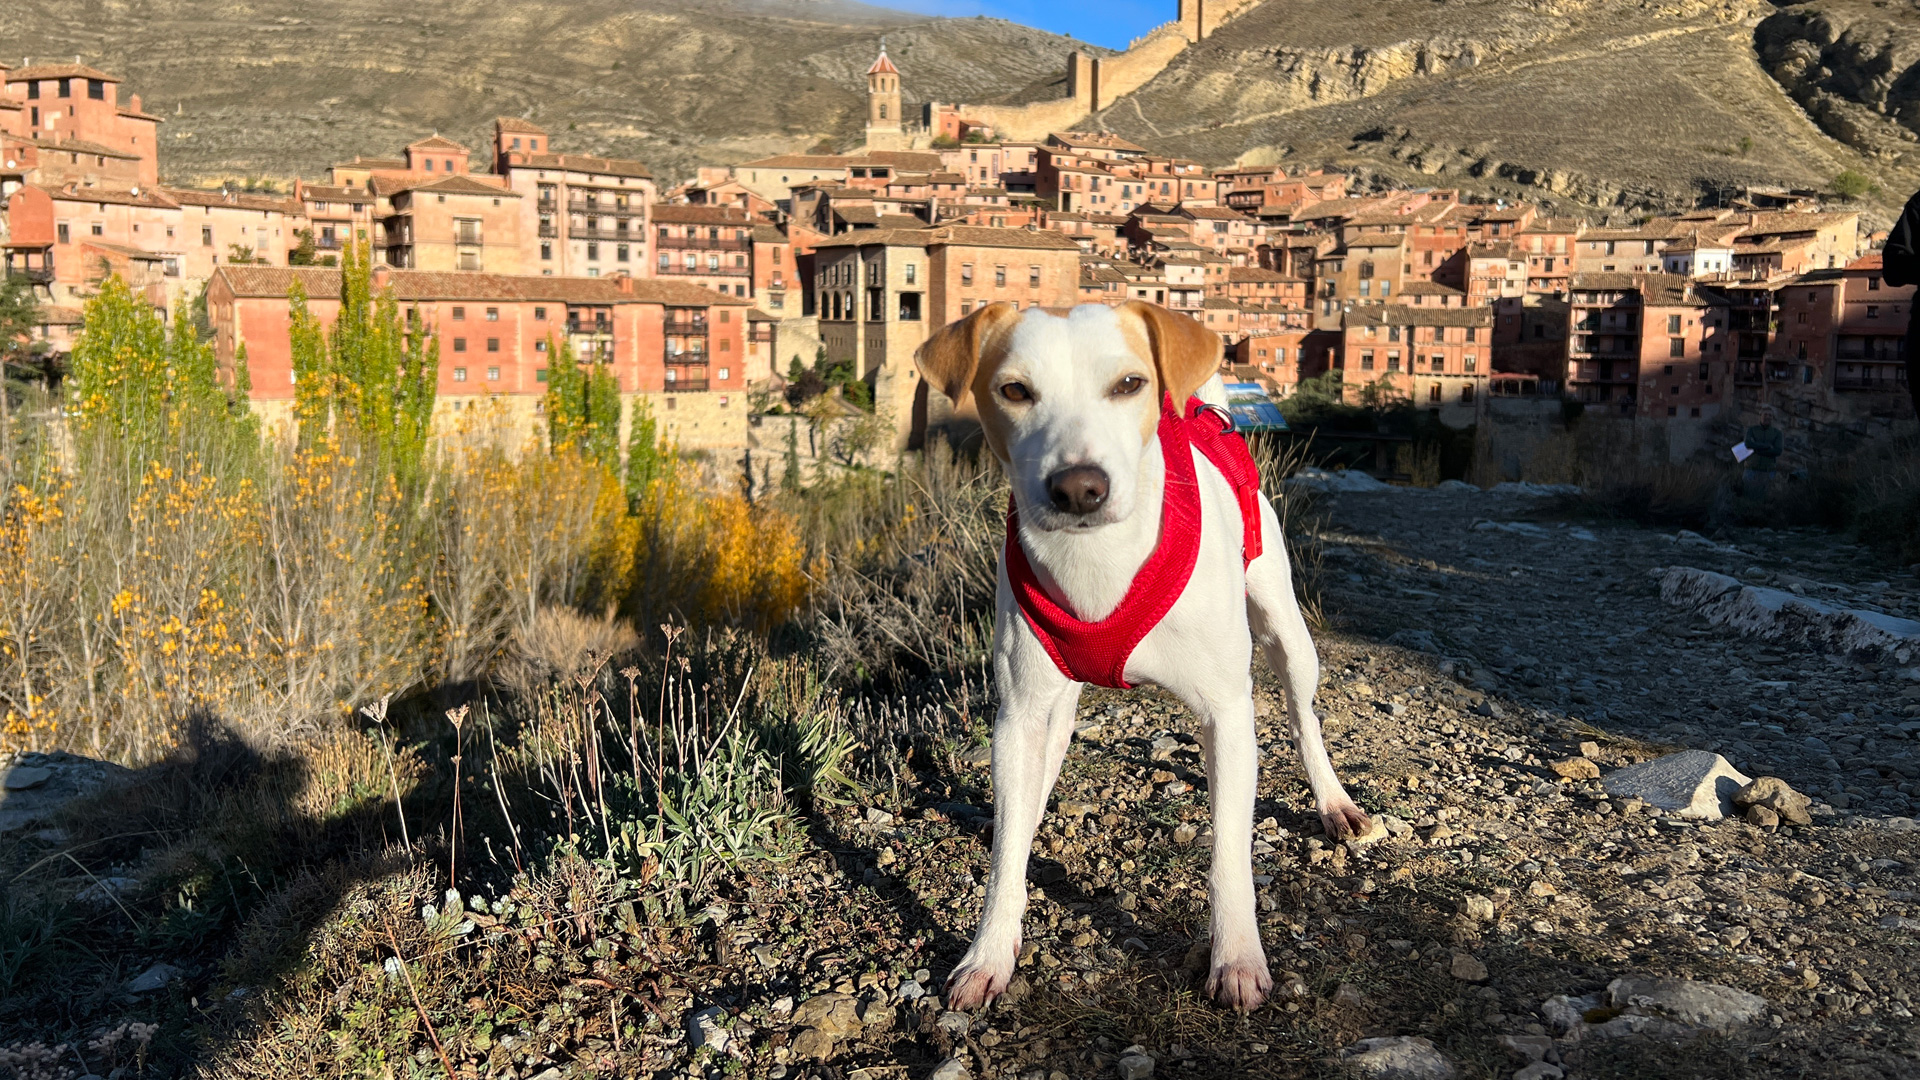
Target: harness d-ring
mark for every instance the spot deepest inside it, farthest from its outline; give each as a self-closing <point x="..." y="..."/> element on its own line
<point x="1226" y="418"/>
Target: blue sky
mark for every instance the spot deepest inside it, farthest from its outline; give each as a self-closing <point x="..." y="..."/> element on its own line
<point x="1112" y="23"/>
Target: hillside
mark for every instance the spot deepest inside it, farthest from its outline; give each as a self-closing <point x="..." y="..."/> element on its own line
<point x="271" y="87"/>
<point x="1582" y="103"/>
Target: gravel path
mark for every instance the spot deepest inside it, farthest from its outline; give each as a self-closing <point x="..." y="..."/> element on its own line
<point x="1508" y="877"/>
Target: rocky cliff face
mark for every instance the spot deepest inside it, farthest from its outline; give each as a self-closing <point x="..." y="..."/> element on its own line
<point x="1585" y="104"/>
<point x="1854" y="66"/>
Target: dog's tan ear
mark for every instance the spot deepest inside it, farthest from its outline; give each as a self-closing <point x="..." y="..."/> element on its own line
<point x="949" y="357"/>
<point x="1185" y="353"/>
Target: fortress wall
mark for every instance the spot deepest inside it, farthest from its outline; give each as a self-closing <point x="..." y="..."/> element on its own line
<point x="1118" y="76"/>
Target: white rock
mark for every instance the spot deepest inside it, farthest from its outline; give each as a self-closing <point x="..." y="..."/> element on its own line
<point x="1696" y="784"/>
<point x="1352" y="481"/>
<point x="153" y="979"/>
<point x="704" y="1029"/>
<point x="1398" y="1057"/>
<point x="1134" y="1067"/>
<point x="1775" y="615"/>
<point x="1684" y="1001"/>
<point x="950" y="1069"/>
<point x="1533" y="491"/>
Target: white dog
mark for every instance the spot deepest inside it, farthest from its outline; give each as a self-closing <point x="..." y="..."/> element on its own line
<point x="1071" y="404"/>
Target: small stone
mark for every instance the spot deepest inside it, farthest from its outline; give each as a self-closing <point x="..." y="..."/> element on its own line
<point x="1589" y="749"/>
<point x="1184" y="834"/>
<point x="1476" y="907"/>
<point x="153" y="979"/>
<point x="1695" y="784"/>
<point x="1469" y="968"/>
<point x="1290" y="987"/>
<point x="955" y="1024"/>
<point x="1017" y="990"/>
<point x="1134" y="1067"/>
<point x="1397" y="1057"/>
<point x="1126" y="901"/>
<point x="1773" y="793"/>
<point x="834" y="1014"/>
<point x="811" y="1044"/>
<point x="1576" y="768"/>
<point x="878" y="817"/>
<point x="1376" y="831"/>
<point x="1175" y="788"/>
<point x="704" y="1029"/>
<point x="1527" y="1048"/>
<point x="950" y="1069"/>
<point x="885" y="857"/>
<point x="976" y="757"/>
<point x="1348" y="996"/>
<point x="1075" y="809"/>
<point x="1763" y="817"/>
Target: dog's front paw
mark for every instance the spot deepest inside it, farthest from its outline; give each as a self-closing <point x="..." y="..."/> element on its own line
<point x="1342" y="820"/>
<point x="976" y="982"/>
<point x="1241" y="984"/>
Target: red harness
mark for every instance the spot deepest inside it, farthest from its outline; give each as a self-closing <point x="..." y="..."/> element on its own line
<point x="1097" y="652"/>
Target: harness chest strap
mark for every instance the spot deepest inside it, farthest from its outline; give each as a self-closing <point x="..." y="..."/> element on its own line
<point x="1097" y="652"/>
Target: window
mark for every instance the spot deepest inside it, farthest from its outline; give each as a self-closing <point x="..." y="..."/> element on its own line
<point x="1673" y="410"/>
<point x="1033" y="277"/>
<point x="1694" y="412"/>
<point x="1393" y="360"/>
<point x="60" y="231"/>
<point x="66" y="87"/>
<point x="459" y="344"/>
<point x="493" y="344"/>
<point x="1873" y="283"/>
<point x="33" y="91"/>
<point x="99" y="229"/>
<point x="1676" y="346"/>
<point x="541" y="374"/>
<point x="97" y="89"/>
<point x="1433" y="392"/>
<point x="1000" y="277"/>
<point x="1800" y="316"/>
<point x="541" y="346"/>
<point x="546" y="250"/>
<point x="1873" y="310"/>
<point x="1437" y="362"/>
<point x="1673" y="324"/>
<point x="1668" y="370"/>
<point x="539" y="314"/>
<point x="620" y="253"/>
<point x="1366" y="360"/>
<point x="1472" y="332"/>
<point x="493" y="374"/>
<point x="966" y="307"/>
<point x="1470" y="363"/>
<point x="459" y="314"/>
<point x="725" y="373"/>
<point x="429" y="164"/>
<point x="493" y="314"/>
<point x="966" y="273"/>
<point x="459" y="374"/>
<point x="910" y="307"/>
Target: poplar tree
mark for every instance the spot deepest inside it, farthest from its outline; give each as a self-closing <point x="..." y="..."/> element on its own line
<point x="140" y="377"/>
<point x="582" y="406"/>
<point x="372" y="377"/>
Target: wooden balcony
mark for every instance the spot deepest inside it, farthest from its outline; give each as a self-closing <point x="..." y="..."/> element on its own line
<point x="686" y="386"/>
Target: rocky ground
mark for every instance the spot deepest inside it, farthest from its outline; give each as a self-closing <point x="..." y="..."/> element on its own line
<point x="1515" y="921"/>
<point x="1493" y="663"/>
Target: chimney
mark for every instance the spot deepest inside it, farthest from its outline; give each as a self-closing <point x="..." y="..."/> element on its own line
<point x="382" y="276"/>
<point x="624" y="282"/>
<point x="133" y="103"/>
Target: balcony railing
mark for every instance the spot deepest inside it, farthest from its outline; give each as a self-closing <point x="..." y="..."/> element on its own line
<point x="685" y="386"/>
<point x="37" y="277"/>
<point x="703" y="243"/>
<point x="1894" y="380"/>
<point x="549" y="232"/>
<point x="469" y="237"/>
<point x="584" y="206"/>
<point x="707" y="271"/>
<point x="596" y="232"/>
<point x="574" y="326"/>
<point x="687" y="327"/>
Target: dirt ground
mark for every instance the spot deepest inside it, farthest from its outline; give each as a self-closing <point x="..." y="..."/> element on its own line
<point x="1501" y="885"/>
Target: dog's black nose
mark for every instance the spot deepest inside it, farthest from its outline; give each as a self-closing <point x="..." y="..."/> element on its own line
<point x="1079" y="489"/>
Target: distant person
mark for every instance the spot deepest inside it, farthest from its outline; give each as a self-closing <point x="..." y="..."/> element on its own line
<point x="1900" y="264"/>
<point x="1767" y="442"/>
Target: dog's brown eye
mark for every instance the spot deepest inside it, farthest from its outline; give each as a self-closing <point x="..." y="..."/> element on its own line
<point x="1129" y="386"/>
<point x="1014" y="391"/>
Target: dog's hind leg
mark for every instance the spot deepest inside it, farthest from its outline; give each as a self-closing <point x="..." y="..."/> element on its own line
<point x="1030" y="737"/>
<point x="1281" y="632"/>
